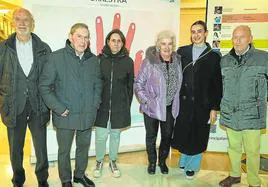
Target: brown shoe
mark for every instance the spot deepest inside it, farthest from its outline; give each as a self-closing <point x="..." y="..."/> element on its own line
<point x="229" y="181"/>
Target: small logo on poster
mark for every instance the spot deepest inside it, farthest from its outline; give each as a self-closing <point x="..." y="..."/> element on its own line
<point x="109" y="3"/>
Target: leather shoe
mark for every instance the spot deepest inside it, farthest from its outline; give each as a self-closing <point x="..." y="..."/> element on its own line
<point x="67" y="184"/>
<point x="163" y="168"/>
<point x="43" y="184"/>
<point x="229" y="181"/>
<point x="86" y="182"/>
<point x="151" y="168"/>
<point x="17" y="185"/>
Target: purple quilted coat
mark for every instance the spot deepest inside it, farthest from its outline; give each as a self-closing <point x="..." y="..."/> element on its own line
<point x="150" y="86"/>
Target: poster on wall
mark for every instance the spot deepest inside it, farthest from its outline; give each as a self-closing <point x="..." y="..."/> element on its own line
<point x="139" y="20"/>
<point x="222" y="17"/>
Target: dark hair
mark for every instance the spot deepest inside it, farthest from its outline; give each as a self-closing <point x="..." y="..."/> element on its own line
<point x="117" y="31"/>
<point x="199" y="22"/>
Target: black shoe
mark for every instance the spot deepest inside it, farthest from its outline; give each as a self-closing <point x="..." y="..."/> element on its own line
<point x="229" y="181"/>
<point x="17" y="185"/>
<point x="67" y="184"/>
<point x="43" y="184"/>
<point x="163" y="168"/>
<point x="190" y="174"/>
<point x="151" y="168"/>
<point x="86" y="182"/>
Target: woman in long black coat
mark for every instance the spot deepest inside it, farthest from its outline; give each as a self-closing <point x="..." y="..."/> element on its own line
<point x="200" y="98"/>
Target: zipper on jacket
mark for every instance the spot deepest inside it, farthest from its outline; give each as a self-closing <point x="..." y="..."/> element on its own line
<point x="111" y="88"/>
<point x="192" y="62"/>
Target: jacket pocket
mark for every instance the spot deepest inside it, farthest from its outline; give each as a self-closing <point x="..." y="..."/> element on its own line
<point x="251" y="112"/>
<point x="256" y="89"/>
<point x="152" y="105"/>
<point x="4" y="109"/>
<point x="260" y="86"/>
<point x="225" y="113"/>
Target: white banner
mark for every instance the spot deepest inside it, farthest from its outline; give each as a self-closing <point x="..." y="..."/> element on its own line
<point x="140" y="20"/>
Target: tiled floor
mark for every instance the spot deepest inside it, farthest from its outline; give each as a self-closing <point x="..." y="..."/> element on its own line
<point x="133" y="175"/>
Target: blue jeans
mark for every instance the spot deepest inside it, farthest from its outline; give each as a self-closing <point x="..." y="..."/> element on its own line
<point x="190" y="162"/>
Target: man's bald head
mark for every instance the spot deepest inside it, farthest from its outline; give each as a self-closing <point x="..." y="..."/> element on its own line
<point x="244" y="28"/>
<point x="241" y="38"/>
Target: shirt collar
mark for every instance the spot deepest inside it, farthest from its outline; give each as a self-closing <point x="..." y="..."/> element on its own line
<point x="18" y="42"/>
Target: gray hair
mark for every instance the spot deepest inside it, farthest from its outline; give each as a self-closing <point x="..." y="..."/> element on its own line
<point x="23" y="10"/>
<point x="163" y="35"/>
<point x="77" y="26"/>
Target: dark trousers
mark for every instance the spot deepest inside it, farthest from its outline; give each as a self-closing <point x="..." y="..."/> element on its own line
<point x="151" y="127"/>
<point x="65" y="140"/>
<point x="16" y="138"/>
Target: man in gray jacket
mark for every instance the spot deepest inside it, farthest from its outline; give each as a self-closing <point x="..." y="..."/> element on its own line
<point x="22" y="57"/>
<point x="243" y="106"/>
<point x="70" y="85"/>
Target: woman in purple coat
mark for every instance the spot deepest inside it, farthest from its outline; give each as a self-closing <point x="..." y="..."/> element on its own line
<point x="157" y="89"/>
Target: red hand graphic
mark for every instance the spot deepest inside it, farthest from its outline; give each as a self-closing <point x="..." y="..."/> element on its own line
<point x="129" y="38"/>
<point x="117" y="21"/>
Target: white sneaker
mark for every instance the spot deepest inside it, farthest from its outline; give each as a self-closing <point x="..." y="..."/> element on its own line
<point x="181" y="169"/>
<point x="115" y="170"/>
<point x="98" y="169"/>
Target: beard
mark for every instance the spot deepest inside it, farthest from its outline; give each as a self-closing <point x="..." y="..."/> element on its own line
<point x="24" y="32"/>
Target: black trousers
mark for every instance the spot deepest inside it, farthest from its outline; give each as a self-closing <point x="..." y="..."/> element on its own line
<point x="65" y="139"/>
<point x="16" y="139"/>
<point x="151" y="127"/>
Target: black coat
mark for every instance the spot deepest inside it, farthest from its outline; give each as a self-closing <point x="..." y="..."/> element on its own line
<point x="201" y="92"/>
<point x="9" y="103"/>
<point x="68" y="82"/>
<point x="117" y="72"/>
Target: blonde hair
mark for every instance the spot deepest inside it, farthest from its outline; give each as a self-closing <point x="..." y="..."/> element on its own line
<point x="77" y="26"/>
<point x="163" y="35"/>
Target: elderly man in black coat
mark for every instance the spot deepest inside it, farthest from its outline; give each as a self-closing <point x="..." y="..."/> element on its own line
<point x="71" y="86"/>
<point x="22" y="57"/>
